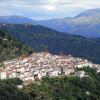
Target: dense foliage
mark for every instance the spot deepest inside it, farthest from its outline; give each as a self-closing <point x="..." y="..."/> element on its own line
<point x="41" y="38"/>
<point x="68" y="88"/>
<point x="9" y="90"/>
<point x="63" y="88"/>
<point x="11" y="48"/>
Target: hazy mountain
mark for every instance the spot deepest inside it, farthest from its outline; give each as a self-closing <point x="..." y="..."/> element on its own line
<point x="41" y="38"/>
<point x="16" y="19"/>
<point x="89" y="13"/>
<point x="85" y="24"/>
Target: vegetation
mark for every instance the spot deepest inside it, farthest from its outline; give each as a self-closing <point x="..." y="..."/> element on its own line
<point x="42" y="38"/>
<point x="9" y="90"/>
<point x="69" y="88"/>
<point x="11" y="48"/>
<point x="63" y="88"/>
<point x="90" y="71"/>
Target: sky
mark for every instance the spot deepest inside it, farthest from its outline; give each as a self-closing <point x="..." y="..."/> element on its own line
<point x="46" y="9"/>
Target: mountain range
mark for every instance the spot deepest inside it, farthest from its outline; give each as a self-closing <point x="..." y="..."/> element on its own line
<point x="41" y="38"/>
<point x="85" y="24"/>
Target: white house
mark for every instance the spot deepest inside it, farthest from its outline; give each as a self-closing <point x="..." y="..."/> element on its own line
<point x="28" y="78"/>
<point x="53" y="73"/>
<point x="3" y="75"/>
<point x="37" y="75"/>
<point x="69" y="71"/>
<point x="80" y="74"/>
<point x="43" y="73"/>
<point x="13" y="75"/>
<point x="98" y="70"/>
<point x="83" y="65"/>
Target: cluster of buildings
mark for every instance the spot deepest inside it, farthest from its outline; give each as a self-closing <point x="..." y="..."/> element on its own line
<point x="42" y="64"/>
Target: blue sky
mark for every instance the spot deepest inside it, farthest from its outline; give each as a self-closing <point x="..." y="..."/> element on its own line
<point x="46" y="9"/>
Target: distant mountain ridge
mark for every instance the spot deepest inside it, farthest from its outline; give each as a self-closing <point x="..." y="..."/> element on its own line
<point x="16" y="19"/>
<point x="89" y="13"/>
<point x="85" y="24"/>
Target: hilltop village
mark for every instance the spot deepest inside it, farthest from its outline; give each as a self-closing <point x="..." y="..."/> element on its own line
<point x="42" y="64"/>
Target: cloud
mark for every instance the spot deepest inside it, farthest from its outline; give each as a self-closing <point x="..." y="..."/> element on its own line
<point x="50" y="8"/>
<point x="46" y="8"/>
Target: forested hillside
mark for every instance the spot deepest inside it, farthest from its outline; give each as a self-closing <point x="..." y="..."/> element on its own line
<point x="11" y="48"/>
<point x="41" y="38"/>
